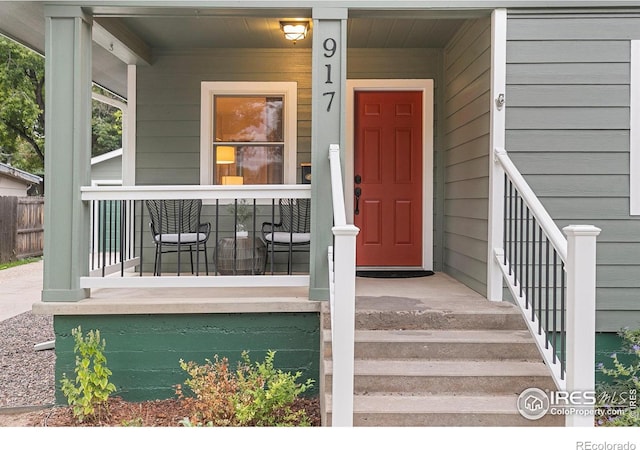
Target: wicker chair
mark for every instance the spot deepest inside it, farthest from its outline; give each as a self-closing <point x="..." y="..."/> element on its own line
<point x="176" y="227"/>
<point x="292" y="233"/>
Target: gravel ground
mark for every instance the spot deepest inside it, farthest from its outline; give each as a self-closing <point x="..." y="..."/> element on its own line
<point x="26" y="375"/>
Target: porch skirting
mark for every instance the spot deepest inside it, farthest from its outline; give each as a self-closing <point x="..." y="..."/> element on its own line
<point x="144" y="350"/>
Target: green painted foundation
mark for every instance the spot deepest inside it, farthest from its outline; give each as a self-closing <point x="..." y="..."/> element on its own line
<point x="144" y="351"/>
<point x="607" y="344"/>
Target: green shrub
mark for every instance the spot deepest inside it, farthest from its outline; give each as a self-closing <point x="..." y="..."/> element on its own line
<point x="214" y="387"/>
<point x="265" y="394"/>
<point x="621" y="391"/>
<point x="89" y="392"/>
<point x="255" y="395"/>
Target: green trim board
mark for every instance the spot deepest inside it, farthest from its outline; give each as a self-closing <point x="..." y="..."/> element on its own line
<point x="144" y="351"/>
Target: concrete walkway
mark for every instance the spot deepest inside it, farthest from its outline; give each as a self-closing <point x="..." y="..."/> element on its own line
<point x="20" y="288"/>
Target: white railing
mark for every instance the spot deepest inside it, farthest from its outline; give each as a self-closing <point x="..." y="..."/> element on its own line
<point x="342" y="282"/>
<point x="129" y="251"/>
<point x="552" y="280"/>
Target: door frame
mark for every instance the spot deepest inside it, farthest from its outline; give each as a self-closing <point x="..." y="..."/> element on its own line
<point x="426" y="87"/>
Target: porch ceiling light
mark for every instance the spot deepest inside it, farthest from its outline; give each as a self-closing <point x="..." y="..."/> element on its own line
<point x="294" y="30"/>
<point x="225" y="154"/>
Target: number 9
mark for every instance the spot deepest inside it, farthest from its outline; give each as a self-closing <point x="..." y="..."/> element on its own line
<point x="329" y="45"/>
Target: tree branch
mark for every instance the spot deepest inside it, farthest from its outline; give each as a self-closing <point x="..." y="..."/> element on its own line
<point x="23" y="134"/>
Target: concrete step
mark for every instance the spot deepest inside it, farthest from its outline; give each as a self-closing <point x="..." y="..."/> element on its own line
<point x="391" y="313"/>
<point x="440" y="410"/>
<point x="446" y="376"/>
<point x="442" y="344"/>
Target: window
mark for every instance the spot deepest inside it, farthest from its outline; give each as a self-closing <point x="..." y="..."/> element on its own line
<point x="248" y="133"/>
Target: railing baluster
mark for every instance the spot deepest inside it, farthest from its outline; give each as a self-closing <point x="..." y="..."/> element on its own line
<point x="533" y="269"/>
<point x="526" y="288"/>
<point x="123" y="236"/>
<point x="540" y="282"/>
<point x="141" y="231"/>
<point x="94" y="219"/>
<point x="521" y="241"/>
<point x="505" y="228"/>
<point x="235" y="236"/>
<point x="514" y="221"/>
<point x="104" y="236"/>
<point x="217" y="235"/>
<point x="253" y="237"/>
<point x="546" y="298"/>
<point x="563" y="325"/>
<point x="272" y="231"/>
<point x="555" y="305"/>
<point x="511" y="240"/>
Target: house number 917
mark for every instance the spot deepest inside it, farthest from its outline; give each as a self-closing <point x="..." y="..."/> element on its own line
<point x="330" y="47"/>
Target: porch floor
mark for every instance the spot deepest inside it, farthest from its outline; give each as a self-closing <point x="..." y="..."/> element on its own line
<point x="430" y="292"/>
<point x="438" y="286"/>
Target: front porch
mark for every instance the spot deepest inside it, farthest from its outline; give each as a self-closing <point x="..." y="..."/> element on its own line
<point x="467" y="219"/>
<point x="457" y="358"/>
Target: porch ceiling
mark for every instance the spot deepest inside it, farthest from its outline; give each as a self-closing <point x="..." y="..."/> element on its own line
<point x="181" y="28"/>
<point x="264" y="32"/>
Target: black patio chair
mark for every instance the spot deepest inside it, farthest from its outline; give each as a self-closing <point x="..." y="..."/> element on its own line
<point x="176" y="228"/>
<point x="292" y="233"/>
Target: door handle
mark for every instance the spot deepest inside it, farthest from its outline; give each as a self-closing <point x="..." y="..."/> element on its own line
<point x="358" y="192"/>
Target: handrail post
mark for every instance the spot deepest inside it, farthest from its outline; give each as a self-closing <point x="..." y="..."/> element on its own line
<point x="581" y="314"/>
<point x="343" y="318"/>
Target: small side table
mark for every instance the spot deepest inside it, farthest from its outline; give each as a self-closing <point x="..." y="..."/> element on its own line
<point x="246" y="259"/>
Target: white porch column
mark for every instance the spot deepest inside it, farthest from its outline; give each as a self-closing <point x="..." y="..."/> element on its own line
<point x="329" y="75"/>
<point x="130" y="124"/>
<point x="581" y="314"/>
<point x="67" y="151"/>
<point x="497" y="140"/>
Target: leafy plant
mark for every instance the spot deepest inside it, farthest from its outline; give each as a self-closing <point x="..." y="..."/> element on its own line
<point x="254" y="395"/>
<point x="621" y="392"/>
<point x="214" y="387"/>
<point x="137" y="422"/>
<point x="243" y="212"/>
<point x="90" y="390"/>
<point x="266" y="394"/>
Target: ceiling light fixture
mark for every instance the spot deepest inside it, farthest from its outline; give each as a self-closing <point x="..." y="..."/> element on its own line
<point x="294" y="30"/>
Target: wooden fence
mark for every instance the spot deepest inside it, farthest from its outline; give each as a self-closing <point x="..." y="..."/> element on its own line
<point x="21" y="227"/>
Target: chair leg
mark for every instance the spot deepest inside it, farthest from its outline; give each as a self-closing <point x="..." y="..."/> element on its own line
<point x="266" y="258"/>
<point x="155" y="263"/>
<point x="159" y="249"/>
<point x="206" y="260"/>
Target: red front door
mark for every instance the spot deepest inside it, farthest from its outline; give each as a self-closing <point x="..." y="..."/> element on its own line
<point x="388" y="176"/>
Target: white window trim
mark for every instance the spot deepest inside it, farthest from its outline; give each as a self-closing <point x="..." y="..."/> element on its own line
<point x="634" y="130"/>
<point x="210" y="88"/>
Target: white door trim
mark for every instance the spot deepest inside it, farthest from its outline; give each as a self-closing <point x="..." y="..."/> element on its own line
<point x="426" y="86"/>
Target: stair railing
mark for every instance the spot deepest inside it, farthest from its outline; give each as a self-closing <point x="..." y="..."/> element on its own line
<point x="342" y="288"/>
<point x="552" y="279"/>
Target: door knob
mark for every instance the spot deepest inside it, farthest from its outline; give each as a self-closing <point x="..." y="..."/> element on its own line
<point x="358" y="192"/>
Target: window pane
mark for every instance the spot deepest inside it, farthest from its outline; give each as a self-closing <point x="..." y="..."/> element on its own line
<point x="250" y="164"/>
<point x="248" y="119"/>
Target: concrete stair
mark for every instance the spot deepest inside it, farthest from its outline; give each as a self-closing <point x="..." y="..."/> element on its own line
<point x="438" y="362"/>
